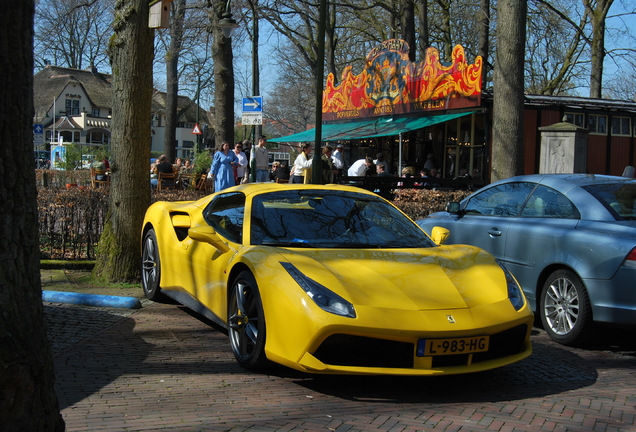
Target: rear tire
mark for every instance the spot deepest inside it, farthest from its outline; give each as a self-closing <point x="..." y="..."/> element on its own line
<point x="246" y="322"/>
<point x="151" y="267"/>
<point x="565" y="309"/>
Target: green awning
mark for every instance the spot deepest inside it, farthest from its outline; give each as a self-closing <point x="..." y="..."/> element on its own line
<point x="384" y="126"/>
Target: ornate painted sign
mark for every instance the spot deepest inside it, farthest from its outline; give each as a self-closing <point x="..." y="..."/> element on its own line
<point x="392" y="84"/>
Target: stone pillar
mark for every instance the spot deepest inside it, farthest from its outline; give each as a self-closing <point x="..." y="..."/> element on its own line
<point x="563" y="149"/>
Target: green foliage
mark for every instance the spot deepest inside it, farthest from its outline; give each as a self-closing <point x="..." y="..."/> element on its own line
<point x="72" y="157"/>
<point x="202" y="161"/>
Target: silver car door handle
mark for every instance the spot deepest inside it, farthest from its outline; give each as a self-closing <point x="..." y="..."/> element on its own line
<point x="494" y="232"/>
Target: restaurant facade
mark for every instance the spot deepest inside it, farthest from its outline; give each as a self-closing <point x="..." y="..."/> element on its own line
<point x="414" y="111"/>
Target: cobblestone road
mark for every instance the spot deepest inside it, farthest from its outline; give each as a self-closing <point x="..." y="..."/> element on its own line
<point x="163" y="368"/>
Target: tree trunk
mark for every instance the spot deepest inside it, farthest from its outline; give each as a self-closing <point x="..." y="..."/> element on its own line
<point x="507" y="147"/>
<point x="598" y="15"/>
<point x="131" y="52"/>
<point x="423" y="35"/>
<point x="27" y="395"/>
<point x="223" y="79"/>
<point x="484" y="33"/>
<point x="407" y="22"/>
<point x="447" y="38"/>
<point x="172" y="79"/>
<point x="331" y="40"/>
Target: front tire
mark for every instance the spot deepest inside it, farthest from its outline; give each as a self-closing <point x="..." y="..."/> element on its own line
<point x="151" y="267"/>
<point x="246" y="322"/>
<point x="565" y="308"/>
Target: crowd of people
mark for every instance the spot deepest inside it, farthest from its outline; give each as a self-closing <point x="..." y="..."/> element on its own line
<point x="162" y="165"/>
<point x="231" y="166"/>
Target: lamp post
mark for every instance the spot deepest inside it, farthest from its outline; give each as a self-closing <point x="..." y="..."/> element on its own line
<point x="227" y="23"/>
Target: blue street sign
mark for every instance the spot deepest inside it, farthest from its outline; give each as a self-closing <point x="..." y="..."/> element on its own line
<point x="253" y="104"/>
<point x="38" y="128"/>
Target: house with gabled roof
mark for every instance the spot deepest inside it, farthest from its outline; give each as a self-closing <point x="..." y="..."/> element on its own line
<point x="75" y="106"/>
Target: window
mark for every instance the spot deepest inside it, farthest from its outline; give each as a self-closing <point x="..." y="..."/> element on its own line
<point x="618" y="198"/>
<point x="225" y="215"/>
<point x="72" y="107"/>
<point x="597" y="124"/>
<point x="188" y="144"/>
<point x="546" y="202"/>
<point x="330" y="219"/>
<point x="94" y="112"/>
<point x="620" y="126"/>
<point x="502" y="200"/>
<point x="575" y="119"/>
<point x="97" y="138"/>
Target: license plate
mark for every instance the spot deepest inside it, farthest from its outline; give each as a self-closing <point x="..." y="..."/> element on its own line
<point x="436" y="347"/>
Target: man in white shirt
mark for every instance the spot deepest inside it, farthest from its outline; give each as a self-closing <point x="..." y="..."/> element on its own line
<point x="359" y="167"/>
<point x="337" y="157"/>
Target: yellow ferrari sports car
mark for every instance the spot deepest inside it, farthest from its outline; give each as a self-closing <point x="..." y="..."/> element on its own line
<point x="333" y="279"/>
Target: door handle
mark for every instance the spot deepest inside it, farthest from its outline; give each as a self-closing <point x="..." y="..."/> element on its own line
<point x="494" y="232"/>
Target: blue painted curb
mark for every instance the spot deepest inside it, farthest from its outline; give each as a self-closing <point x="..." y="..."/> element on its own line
<point x="91" y="299"/>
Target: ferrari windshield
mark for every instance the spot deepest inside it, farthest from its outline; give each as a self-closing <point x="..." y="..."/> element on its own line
<point x="331" y="219"/>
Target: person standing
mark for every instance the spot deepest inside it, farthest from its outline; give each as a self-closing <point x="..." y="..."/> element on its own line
<point x="222" y="169"/>
<point x="338" y="158"/>
<point x="247" y="148"/>
<point x="260" y="156"/>
<point x="329" y="171"/>
<point x="239" y="168"/>
<point x="302" y="164"/>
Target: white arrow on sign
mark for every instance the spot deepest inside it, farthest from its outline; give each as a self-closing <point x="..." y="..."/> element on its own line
<point x="253" y="104"/>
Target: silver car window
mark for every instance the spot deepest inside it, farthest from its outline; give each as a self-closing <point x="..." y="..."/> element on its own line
<point x="618" y="198"/>
<point x="502" y="200"/>
<point x="546" y="202"/>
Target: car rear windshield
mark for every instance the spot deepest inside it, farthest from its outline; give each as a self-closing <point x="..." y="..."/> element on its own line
<point x="618" y="198"/>
<point x="331" y="219"/>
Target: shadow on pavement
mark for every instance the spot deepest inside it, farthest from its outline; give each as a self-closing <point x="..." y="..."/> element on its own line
<point x="549" y="370"/>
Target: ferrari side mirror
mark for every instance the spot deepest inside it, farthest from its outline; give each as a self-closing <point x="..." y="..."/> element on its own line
<point x="439" y="235"/>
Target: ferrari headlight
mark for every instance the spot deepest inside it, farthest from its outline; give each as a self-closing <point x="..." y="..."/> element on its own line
<point x="515" y="294"/>
<point x="326" y="299"/>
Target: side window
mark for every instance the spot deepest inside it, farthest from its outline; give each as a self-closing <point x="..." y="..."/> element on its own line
<point x="502" y="200"/>
<point x="225" y="215"/>
<point x="548" y="203"/>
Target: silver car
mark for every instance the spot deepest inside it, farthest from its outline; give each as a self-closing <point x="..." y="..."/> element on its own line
<point x="569" y="239"/>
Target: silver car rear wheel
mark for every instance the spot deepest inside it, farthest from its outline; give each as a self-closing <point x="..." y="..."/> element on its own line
<point x="565" y="308"/>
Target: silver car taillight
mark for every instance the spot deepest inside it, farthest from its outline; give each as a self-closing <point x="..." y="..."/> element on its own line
<point x="630" y="259"/>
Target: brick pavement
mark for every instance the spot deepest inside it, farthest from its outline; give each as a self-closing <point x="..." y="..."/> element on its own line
<point x="162" y="368"/>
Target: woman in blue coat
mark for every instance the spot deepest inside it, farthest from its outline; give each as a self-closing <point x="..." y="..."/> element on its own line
<point x="222" y="168"/>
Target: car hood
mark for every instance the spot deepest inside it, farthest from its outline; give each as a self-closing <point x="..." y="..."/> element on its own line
<point x="445" y="277"/>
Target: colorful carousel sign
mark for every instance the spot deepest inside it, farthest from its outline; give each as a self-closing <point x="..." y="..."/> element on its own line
<point x="391" y="84"/>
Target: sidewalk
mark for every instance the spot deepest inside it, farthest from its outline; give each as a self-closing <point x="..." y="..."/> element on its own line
<point x="162" y="368"/>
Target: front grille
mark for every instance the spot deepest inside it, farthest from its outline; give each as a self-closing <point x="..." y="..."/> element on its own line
<point x="347" y="350"/>
<point x="506" y="343"/>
